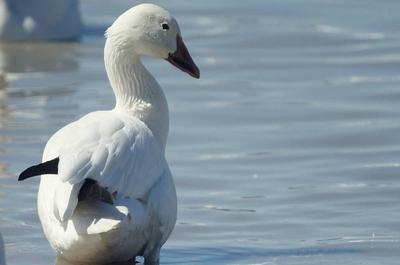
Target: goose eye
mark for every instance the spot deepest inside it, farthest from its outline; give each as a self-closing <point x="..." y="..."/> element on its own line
<point x="165" y="26"/>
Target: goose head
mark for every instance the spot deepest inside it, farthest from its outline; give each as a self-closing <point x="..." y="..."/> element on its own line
<point x="150" y="30"/>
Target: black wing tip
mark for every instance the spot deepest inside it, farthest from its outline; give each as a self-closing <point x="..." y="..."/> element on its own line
<point x="30" y="172"/>
<point x="48" y="167"/>
<point x="24" y="175"/>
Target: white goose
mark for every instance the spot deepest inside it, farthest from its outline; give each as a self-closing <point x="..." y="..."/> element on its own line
<point x="106" y="192"/>
<point x="39" y="20"/>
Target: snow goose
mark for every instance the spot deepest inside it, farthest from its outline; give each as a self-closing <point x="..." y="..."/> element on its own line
<point x="39" y="20"/>
<point x="106" y="192"/>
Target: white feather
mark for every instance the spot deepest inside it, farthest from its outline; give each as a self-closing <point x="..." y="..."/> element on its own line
<point x="66" y="199"/>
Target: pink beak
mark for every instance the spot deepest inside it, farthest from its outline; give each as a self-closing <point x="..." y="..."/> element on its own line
<point x="182" y="59"/>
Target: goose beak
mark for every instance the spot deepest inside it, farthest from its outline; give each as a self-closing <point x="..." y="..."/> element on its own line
<point x="182" y="59"/>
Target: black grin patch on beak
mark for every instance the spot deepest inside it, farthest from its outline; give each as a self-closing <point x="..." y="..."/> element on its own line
<point x="182" y="59"/>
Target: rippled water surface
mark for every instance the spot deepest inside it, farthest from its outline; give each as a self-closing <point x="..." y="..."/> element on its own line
<point x="286" y="151"/>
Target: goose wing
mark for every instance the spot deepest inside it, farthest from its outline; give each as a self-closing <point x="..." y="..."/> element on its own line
<point x="117" y="151"/>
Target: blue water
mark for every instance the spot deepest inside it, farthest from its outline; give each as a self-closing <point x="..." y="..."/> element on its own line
<point x="286" y="151"/>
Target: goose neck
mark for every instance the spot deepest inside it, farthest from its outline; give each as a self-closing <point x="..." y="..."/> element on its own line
<point x="136" y="91"/>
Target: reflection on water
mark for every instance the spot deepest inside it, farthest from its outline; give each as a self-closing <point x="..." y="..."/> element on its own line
<point x="2" y="254"/>
<point x="23" y="70"/>
<point x="25" y="57"/>
<point x="61" y="261"/>
<point x="137" y="261"/>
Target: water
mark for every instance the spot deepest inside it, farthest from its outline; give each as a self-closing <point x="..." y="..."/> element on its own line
<point x="286" y="151"/>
